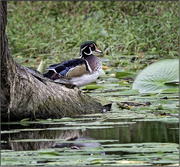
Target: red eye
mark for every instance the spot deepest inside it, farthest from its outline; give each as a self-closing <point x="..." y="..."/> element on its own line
<point x="91" y="45"/>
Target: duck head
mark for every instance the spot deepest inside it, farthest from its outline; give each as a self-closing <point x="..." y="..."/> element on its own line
<point x="87" y="48"/>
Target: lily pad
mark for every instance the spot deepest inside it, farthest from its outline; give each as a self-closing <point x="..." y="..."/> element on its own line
<point x="158" y="76"/>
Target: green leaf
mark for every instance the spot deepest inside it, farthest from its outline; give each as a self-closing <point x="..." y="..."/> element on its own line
<point x="124" y="74"/>
<point x="158" y="76"/>
<point x="42" y="66"/>
<point x="93" y="86"/>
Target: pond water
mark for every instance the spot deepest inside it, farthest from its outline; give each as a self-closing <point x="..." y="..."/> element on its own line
<point x="119" y="141"/>
<point x="134" y="129"/>
<point x="138" y="132"/>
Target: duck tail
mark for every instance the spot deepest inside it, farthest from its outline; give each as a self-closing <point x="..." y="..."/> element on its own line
<point x="52" y="75"/>
<point x="48" y="74"/>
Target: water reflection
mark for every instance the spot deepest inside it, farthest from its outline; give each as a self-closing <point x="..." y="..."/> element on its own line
<point x="139" y="132"/>
<point x="36" y="135"/>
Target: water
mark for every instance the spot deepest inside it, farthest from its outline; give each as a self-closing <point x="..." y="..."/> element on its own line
<point x="138" y="132"/>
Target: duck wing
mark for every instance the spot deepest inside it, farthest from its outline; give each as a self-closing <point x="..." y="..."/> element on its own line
<point x="68" y="69"/>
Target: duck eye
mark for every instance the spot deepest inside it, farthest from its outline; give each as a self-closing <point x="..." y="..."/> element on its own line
<point x="91" y="45"/>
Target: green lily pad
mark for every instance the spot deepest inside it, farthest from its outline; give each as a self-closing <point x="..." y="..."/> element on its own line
<point x="122" y="74"/>
<point x="158" y="76"/>
<point x="10" y="131"/>
<point x="93" y="86"/>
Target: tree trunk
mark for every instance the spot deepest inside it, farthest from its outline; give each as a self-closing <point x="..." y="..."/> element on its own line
<point x="24" y="96"/>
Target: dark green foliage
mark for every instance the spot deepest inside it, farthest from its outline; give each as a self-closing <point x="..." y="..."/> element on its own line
<point x="57" y="28"/>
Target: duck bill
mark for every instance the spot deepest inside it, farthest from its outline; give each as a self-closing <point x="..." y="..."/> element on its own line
<point x="97" y="50"/>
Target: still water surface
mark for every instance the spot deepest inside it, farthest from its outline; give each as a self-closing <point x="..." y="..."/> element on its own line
<point x="138" y="132"/>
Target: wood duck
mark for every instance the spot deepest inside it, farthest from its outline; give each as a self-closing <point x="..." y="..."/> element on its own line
<point x="80" y="71"/>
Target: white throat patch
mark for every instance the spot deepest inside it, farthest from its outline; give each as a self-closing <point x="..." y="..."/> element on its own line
<point x="90" y="51"/>
<point x="85" y="52"/>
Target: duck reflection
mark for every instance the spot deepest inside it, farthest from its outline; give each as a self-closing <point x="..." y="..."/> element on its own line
<point x="79" y="143"/>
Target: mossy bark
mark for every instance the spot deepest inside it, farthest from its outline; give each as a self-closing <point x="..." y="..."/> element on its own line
<point x="24" y="96"/>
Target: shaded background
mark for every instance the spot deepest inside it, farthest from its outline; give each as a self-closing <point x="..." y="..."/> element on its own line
<point x="56" y="29"/>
